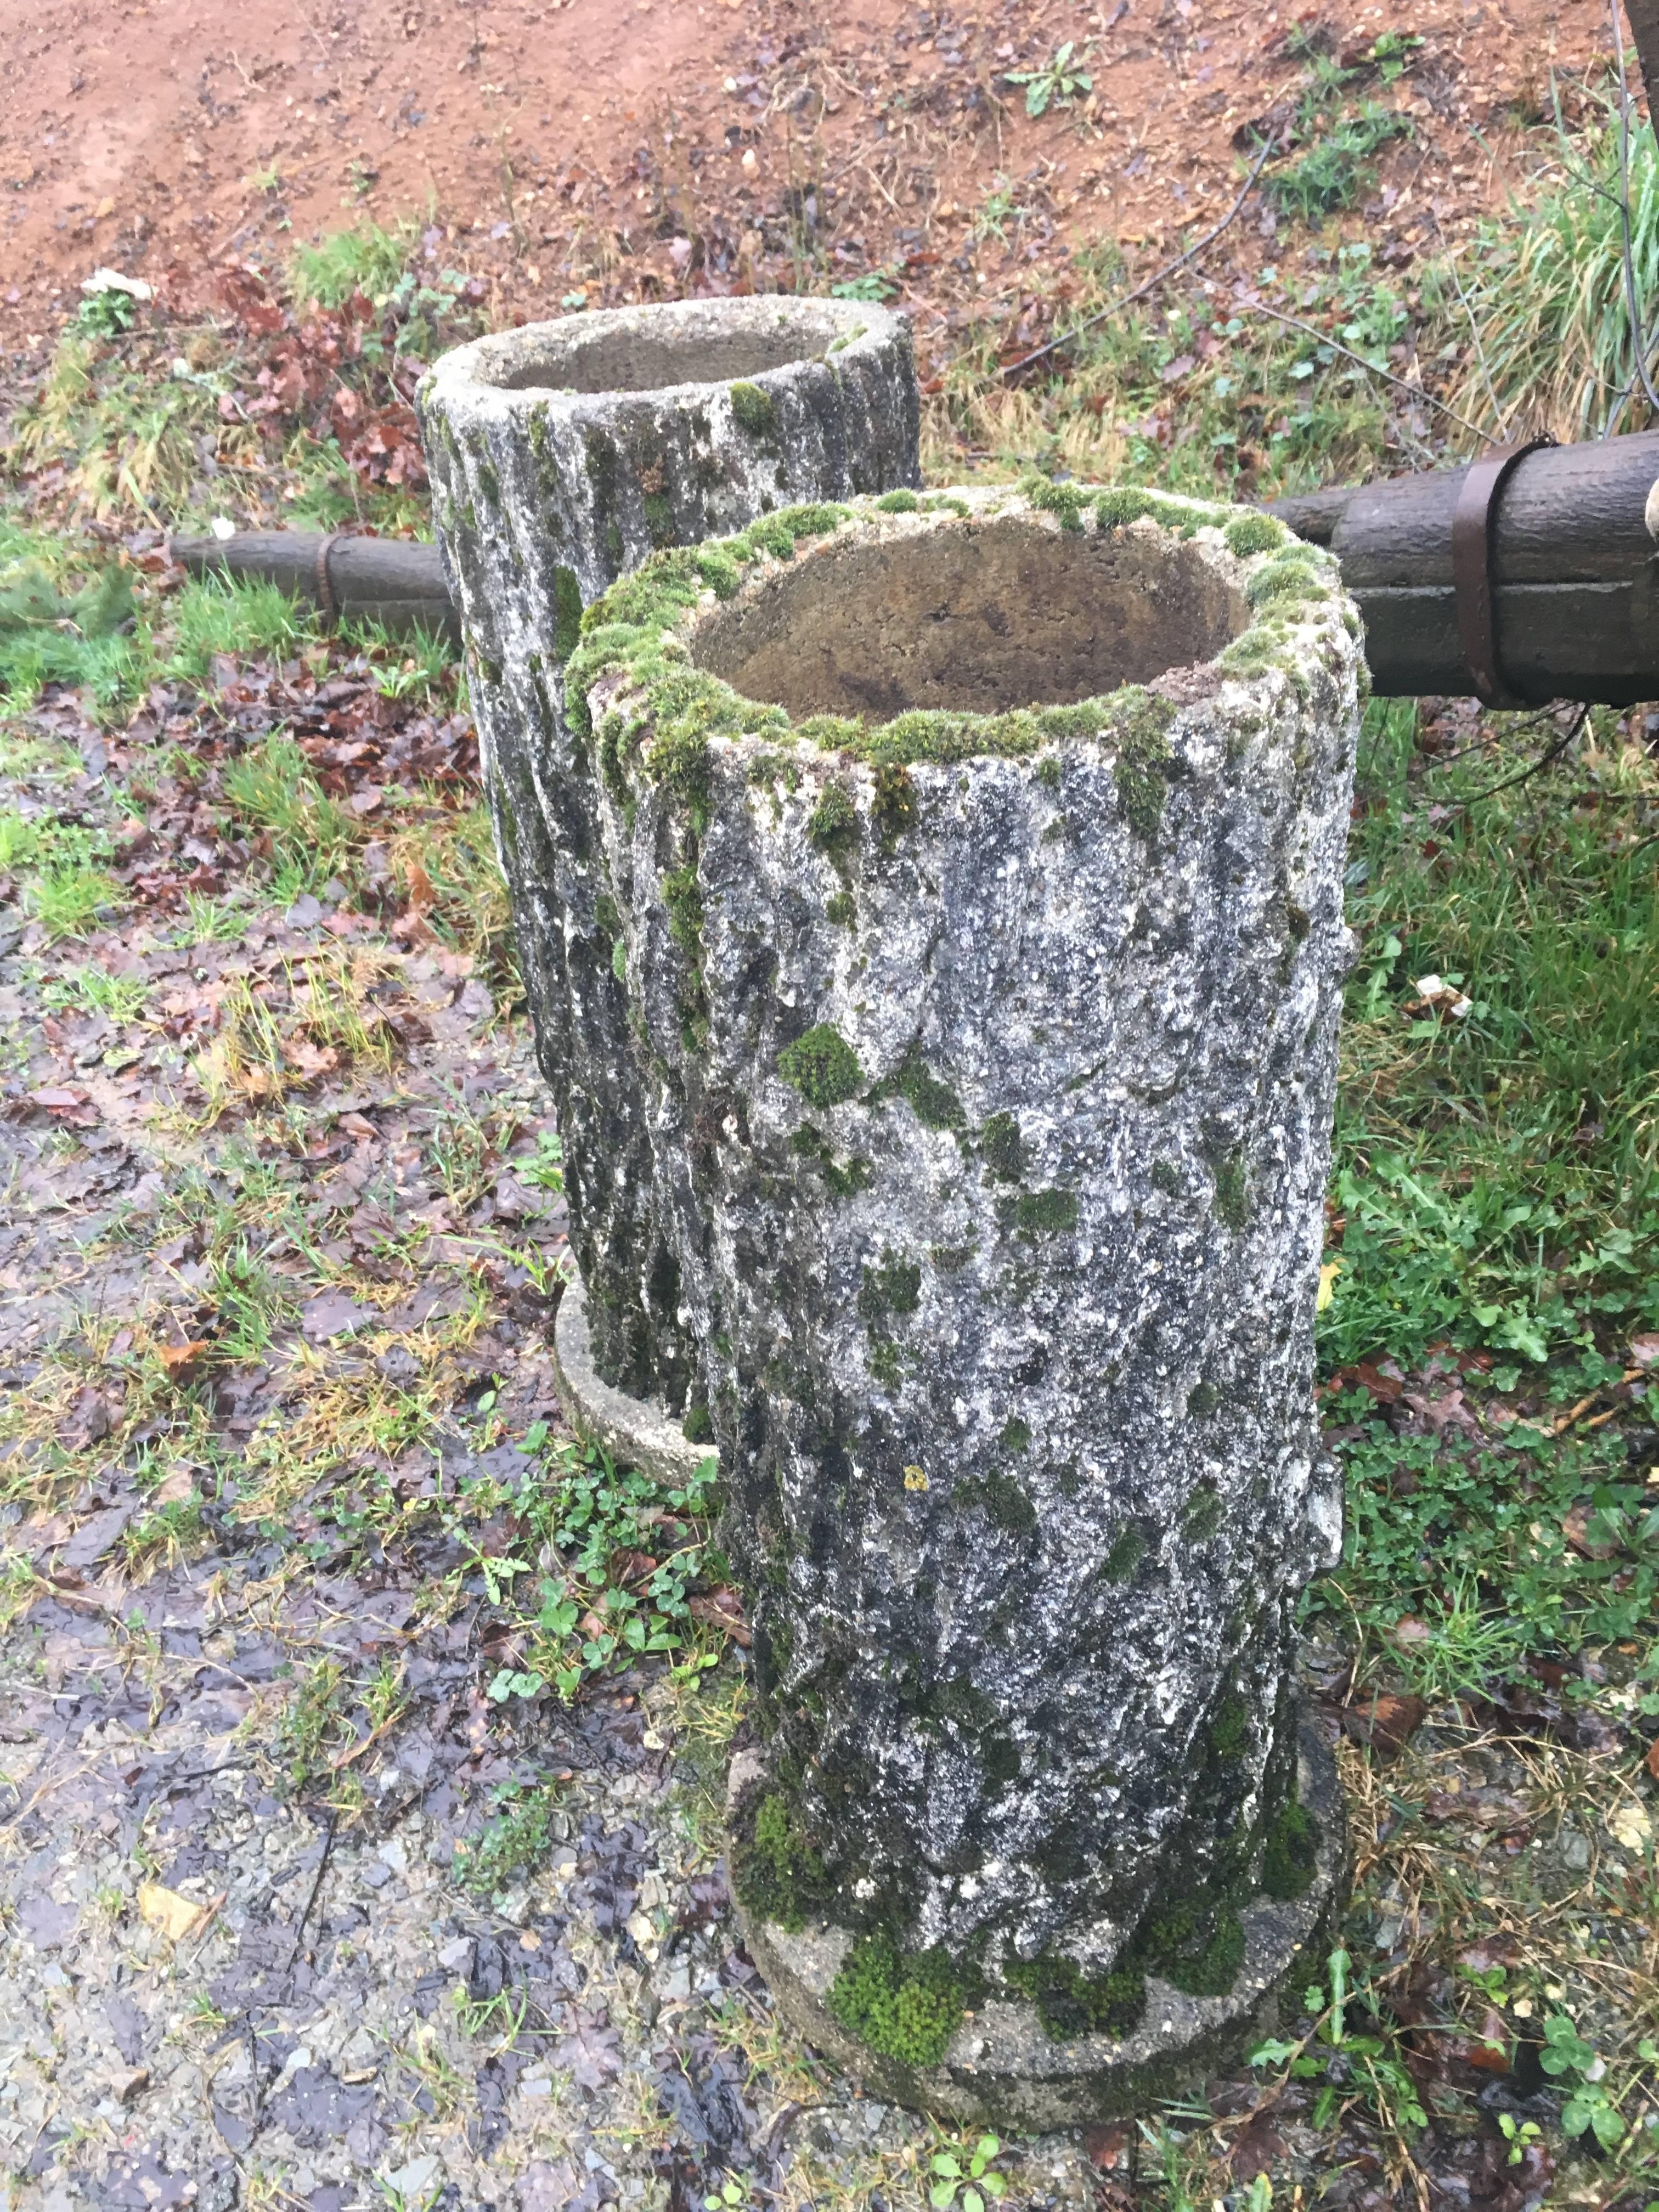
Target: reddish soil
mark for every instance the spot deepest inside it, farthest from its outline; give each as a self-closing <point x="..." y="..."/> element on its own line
<point x="634" y="147"/>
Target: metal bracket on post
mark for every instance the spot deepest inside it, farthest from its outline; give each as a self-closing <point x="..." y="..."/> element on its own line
<point x="325" y="582"/>
<point x="1472" y="561"/>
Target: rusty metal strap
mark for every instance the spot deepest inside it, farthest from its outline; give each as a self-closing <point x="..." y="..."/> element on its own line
<point x="326" y="597"/>
<point x="1473" y="521"/>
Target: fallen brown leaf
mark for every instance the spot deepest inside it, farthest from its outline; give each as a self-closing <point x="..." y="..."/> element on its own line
<point x="181" y="1359"/>
<point x="1107" y="2147"/>
<point x="175" y="1916"/>
<point x="723" y="1609"/>
<point x="1384" y="1722"/>
<point x="1575" y="1526"/>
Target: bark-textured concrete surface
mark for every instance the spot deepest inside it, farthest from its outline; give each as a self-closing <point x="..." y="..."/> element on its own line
<point x="560" y="455"/>
<point x="978" y="877"/>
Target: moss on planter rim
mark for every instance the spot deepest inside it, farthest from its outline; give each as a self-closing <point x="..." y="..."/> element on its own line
<point x="636" y="632"/>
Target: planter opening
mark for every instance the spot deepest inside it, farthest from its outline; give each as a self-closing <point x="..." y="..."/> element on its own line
<point x="613" y="352"/>
<point x="980" y="620"/>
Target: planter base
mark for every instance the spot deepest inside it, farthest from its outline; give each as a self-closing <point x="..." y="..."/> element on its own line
<point x="635" y="1431"/>
<point x="1003" y="2070"/>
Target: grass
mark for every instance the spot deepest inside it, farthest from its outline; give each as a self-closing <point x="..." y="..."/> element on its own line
<point x="1494" y="1206"/>
<point x="1190" y="396"/>
<point x="1342" y="136"/>
<point x="367" y="260"/>
<point x="1496" y="1174"/>
<point x="309" y="837"/>
<point x="57" y="862"/>
<point x="1543" y="292"/>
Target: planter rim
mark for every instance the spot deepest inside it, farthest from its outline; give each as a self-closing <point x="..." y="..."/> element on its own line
<point x="475" y="374"/>
<point x="637" y="649"/>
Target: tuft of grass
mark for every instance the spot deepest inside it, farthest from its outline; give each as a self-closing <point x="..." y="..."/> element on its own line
<point x="1543" y="293"/>
<point x="56" y="862"/>
<point x="232" y="617"/>
<point x="92" y="990"/>
<point x="126" y="438"/>
<point x="365" y="259"/>
<point x="53" y="633"/>
<point x="66" y="897"/>
<point x="272" y="787"/>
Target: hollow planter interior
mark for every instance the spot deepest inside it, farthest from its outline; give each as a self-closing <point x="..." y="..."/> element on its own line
<point x="1007" y="616"/>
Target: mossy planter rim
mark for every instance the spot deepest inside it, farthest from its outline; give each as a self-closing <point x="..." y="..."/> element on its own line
<point x="635" y="661"/>
<point x="1003" y="2068"/>
<point x="477" y="367"/>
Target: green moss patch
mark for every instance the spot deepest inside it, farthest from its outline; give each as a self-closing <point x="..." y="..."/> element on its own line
<point x="895" y="1287"/>
<point x="1290" y="1857"/>
<point x="1002" y="1148"/>
<point x="754" y="410"/>
<point x="823" y="1066"/>
<point x="632" y="630"/>
<point x="935" y="1104"/>
<point x="905" y="2007"/>
<point x="1196" y="1946"/>
<point x="1046" y="1213"/>
<point x="777" y="1871"/>
<point x="1070" y="2003"/>
<point x="833" y="825"/>
<point x="1255" y="534"/>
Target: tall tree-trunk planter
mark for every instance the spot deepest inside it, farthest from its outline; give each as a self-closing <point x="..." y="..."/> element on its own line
<point x="560" y="455"/>
<point x="976" y="862"/>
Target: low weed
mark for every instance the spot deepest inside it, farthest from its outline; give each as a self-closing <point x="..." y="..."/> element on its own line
<point x="513" y="1842"/>
<point x="163" y="1537"/>
<point x="62" y="622"/>
<point x="126" y="437"/>
<point x="1365" y="2069"/>
<point x="443" y="857"/>
<point x="626" y="1553"/>
<point x="313" y="1721"/>
<point x="1464" y="1560"/>
<point x="1057" y="82"/>
<point x="1341" y="136"/>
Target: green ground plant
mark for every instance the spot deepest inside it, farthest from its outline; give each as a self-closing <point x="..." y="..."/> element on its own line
<point x="1496" y="1168"/>
<point x="1057" y="82"/>
<point x="1351" y="2068"/>
<point x="1340" y="134"/>
<point x="369" y="258"/>
<point x="513" y="1842"/>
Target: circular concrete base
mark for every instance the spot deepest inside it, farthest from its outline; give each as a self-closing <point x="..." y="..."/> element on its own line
<point x="635" y="1431"/>
<point x="1002" y="2067"/>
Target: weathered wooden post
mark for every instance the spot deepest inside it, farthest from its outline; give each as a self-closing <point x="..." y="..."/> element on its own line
<point x="976" y="865"/>
<point x="560" y="455"/>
